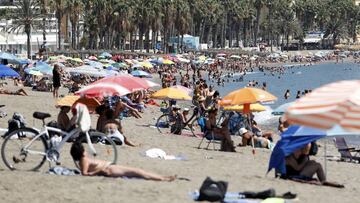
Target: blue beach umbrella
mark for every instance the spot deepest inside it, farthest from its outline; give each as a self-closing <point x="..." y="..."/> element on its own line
<point x="7" y="72"/>
<point x="280" y="110"/>
<point x="141" y="74"/>
<point x="8" y="56"/>
<point x="105" y="55"/>
<point x="43" y="68"/>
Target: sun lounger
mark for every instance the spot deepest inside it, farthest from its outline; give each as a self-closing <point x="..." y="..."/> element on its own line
<point x="346" y="151"/>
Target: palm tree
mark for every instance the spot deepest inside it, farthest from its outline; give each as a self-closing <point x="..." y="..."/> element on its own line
<point x="74" y="9"/>
<point x="26" y="17"/>
<point x="59" y="7"/>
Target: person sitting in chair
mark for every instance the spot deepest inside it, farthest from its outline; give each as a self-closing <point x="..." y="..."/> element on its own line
<point x="219" y="132"/>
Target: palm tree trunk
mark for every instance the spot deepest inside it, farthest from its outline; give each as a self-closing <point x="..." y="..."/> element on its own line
<point x="147" y="41"/>
<point x="28" y="42"/>
<point x="215" y="36"/>
<point x="59" y="30"/>
<point x="257" y="24"/>
<point x="73" y="35"/>
<point x="141" y="39"/>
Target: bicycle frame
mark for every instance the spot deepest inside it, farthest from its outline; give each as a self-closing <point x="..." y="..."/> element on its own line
<point x="66" y="137"/>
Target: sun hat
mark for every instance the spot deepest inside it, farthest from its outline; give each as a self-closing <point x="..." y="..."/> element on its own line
<point x="243" y="131"/>
<point x="186" y="109"/>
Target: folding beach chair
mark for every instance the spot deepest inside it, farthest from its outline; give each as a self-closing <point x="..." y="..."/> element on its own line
<point x="208" y="136"/>
<point x="346" y="151"/>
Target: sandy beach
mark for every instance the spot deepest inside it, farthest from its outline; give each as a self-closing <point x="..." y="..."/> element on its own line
<point x="243" y="171"/>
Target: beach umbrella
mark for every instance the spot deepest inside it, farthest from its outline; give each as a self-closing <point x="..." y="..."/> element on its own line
<point x="332" y="104"/>
<point x="95" y="64"/>
<point x="105" y="55"/>
<point x="185" y="89"/>
<point x="221" y="58"/>
<point x="7" y="56"/>
<point x="247" y="96"/>
<point x="171" y="93"/>
<point x="89" y="70"/>
<point x="235" y="57"/>
<point x="202" y="58"/>
<point x="280" y="110"/>
<point x="221" y="55"/>
<point x="167" y="62"/>
<point x="34" y="72"/>
<point x="240" y="108"/>
<point x="91" y="103"/>
<point x="7" y="72"/>
<point x="146" y="64"/>
<point x="68" y="100"/>
<point x="141" y="74"/>
<point x="77" y="60"/>
<point x="43" y="67"/>
<point x="93" y="58"/>
<point x="101" y="90"/>
<point x="136" y="65"/>
<point x="183" y="60"/>
<point x="127" y="81"/>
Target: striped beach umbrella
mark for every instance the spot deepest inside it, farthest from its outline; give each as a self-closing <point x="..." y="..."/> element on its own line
<point x="101" y="90"/>
<point x="330" y="105"/>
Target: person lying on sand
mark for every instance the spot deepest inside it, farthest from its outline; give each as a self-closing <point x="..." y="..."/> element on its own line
<point x="18" y="92"/>
<point x="247" y="137"/>
<point x="298" y="163"/>
<point x="94" y="167"/>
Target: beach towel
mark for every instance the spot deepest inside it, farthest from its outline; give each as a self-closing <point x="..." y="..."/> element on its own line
<point x="157" y="153"/>
<point x="58" y="170"/>
<point x="313" y="181"/>
<point x="234" y="197"/>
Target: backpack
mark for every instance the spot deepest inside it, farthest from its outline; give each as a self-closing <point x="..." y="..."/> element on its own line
<point x="212" y="191"/>
<point x="16" y="122"/>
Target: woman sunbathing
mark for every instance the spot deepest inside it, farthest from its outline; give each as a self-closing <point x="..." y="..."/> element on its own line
<point x="18" y="92"/>
<point x="93" y="167"/>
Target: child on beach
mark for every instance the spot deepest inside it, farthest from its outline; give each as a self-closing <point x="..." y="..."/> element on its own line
<point x="93" y="167"/>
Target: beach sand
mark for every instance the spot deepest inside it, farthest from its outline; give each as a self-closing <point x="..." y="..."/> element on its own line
<point x="243" y="171"/>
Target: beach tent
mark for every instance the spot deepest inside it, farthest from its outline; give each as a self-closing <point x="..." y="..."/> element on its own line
<point x="7" y="72"/>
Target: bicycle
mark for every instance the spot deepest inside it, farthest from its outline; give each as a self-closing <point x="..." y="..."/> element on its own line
<point x="163" y="123"/>
<point x="28" y="148"/>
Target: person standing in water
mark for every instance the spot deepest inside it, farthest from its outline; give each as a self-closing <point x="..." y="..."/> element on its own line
<point x="287" y="94"/>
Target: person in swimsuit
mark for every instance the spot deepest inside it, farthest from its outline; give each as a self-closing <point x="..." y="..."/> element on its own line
<point x="93" y="167"/>
<point x="18" y="92"/>
<point x="298" y="163"/>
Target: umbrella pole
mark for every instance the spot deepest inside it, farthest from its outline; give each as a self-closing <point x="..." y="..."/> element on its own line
<point x="247" y="111"/>
<point x="325" y="161"/>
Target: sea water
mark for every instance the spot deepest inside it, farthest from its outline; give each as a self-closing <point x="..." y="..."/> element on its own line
<point x="296" y="78"/>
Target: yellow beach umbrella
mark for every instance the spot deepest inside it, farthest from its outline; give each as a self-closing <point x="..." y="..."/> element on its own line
<point x="78" y="60"/>
<point x="171" y="93"/>
<point x="146" y="64"/>
<point x="247" y="95"/>
<point x="168" y="62"/>
<point x="68" y="100"/>
<point x="202" y="58"/>
<point x="240" y="108"/>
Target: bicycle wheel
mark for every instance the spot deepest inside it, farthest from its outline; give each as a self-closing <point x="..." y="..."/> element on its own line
<point x="196" y="129"/>
<point x="162" y="123"/>
<point x="20" y="151"/>
<point x="105" y="148"/>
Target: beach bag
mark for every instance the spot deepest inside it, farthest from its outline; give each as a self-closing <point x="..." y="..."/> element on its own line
<point x="313" y="149"/>
<point x="16" y="122"/>
<point x="212" y="191"/>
